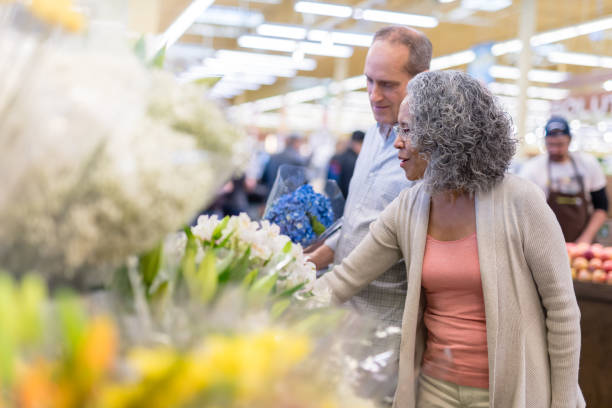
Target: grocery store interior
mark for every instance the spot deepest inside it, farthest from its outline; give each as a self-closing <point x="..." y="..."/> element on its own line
<point x="130" y="128"/>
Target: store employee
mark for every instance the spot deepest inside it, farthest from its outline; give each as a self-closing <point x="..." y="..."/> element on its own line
<point x="574" y="183"/>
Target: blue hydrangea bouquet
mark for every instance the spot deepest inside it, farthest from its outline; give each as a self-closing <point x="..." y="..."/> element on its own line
<point x="300" y="212"/>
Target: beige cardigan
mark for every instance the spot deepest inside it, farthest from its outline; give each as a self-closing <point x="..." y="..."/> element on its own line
<point x="533" y="330"/>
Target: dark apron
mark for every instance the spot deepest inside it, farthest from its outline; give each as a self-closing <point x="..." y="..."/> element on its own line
<point x="572" y="210"/>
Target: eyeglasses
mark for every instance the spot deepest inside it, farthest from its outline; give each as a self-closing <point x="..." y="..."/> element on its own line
<point x="402" y="132"/>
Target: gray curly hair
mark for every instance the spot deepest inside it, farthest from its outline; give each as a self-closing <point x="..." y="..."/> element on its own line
<point x="461" y="129"/>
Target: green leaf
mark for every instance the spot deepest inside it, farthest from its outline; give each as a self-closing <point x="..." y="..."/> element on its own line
<point x="208" y="81"/>
<point x="279" y="307"/>
<point x="218" y="231"/>
<point x="33" y="295"/>
<point x="262" y="287"/>
<point x="289" y="292"/>
<point x="159" y="295"/>
<point x="140" y="49"/>
<point x="8" y="322"/>
<point x="250" y="278"/>
<point x="317" y="227"/>
<point x="237" y="270"/>
<point x="207" y="276"/>
<point x="159" y="59"/>
<point x="149" y="265"/>
<point x="287" y="247"/>
<point x="72" y="321"/>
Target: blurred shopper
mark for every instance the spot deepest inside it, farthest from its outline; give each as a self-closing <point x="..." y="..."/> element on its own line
<point x="491" y="317"/>
<point x="574" y="183"/>
<point x="396" y="55"/>
<point x="290" y="155"/>
<point x="341" y="165"/>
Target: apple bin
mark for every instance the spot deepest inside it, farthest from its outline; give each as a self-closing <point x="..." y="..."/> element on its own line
<point x="591" y="267"/>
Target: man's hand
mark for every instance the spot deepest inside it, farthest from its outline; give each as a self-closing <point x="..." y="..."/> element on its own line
<point x="321" y="257"/>
<point x="597" y="220"/>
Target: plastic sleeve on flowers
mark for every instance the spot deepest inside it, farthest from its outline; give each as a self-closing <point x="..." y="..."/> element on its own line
<point x="376" y="253"/>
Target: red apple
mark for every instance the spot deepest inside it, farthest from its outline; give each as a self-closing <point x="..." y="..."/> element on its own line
<point x="609" y="278"/>
<point x="584" y="275"/>
<point x="595" y="263"/>
<point x="607" y="265"/>
<point x="571" y="248"/>
<point x="597" y="250"/>
<point x="607" y="253"/>
<point x="599" y="276"/>
<point x="580" y="263"/>
<point x="582" y="248"/>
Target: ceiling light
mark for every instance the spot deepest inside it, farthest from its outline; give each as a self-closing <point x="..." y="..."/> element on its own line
<point x="181" y="24"/>
<point x="392" y="17"/>
<point x="231" y="16"/>
<point x="536" y="75"/>
<point x="608" y="85"/>
<point x="532" y="91"/>
<point x="452" y="60"/>
<point x="324" y="9"/>
<point x="316" y="48"/>
<point x="215" y="66"/>
<point x="265" y="43"/>
<point x="506" y="47"/>
<point x="574" y="58"/>
<point x="306" y="95"/>
<point x="247" y="59"/>
<point x="553" y="36"/>
<point x="341" y="37"/>
<point x="486" y="5"/>
<point x="281" y="30"/>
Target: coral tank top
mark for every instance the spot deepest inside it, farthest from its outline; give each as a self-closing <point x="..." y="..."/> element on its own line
<point x="455" y="316"/>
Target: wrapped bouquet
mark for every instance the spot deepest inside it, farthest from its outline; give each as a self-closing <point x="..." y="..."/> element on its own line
<point x="301" y="213"/>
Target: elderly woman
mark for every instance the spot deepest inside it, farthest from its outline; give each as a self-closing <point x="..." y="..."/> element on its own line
<point x="491" y="318"/>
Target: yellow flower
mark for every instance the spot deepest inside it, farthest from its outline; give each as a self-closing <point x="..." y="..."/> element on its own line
<point x="58" y="12"/>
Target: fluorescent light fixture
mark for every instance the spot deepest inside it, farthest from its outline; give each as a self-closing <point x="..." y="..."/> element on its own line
<point x="532" y="91"/>
<point x="181" y="24"/>
<point x="486" y="5"/>
<point x="282" y="30"/>
<point x="537" y="75"/>
<point x="554" y="36"/>
<point x="305" y="95"/>
<point x="506" y="47"/>
<point x="277" y="44"/>
<point x="265" y="43"/>
<point x="270" y="103"/>
<point x="452" y="60"/>
<point x="608" y="85"/>
<point x="248" y="59"/>
<point x="341" y="37"/>
<point x="231" y="16"/>
<point x="324" y="9"/>
<point x="316" y="48"/>
<point x="575" y="58"/>
<point x="392" y="17"/>
<point x="445" y="1"/>
<point x="215" y="66"/>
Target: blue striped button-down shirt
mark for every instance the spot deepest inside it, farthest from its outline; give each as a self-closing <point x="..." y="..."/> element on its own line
<point x="377" y="180"/>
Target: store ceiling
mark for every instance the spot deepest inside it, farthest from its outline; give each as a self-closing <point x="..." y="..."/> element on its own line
<point x="460" y="27"/>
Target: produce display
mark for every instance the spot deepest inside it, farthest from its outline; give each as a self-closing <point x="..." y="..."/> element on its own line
<point x="590" y="263"/>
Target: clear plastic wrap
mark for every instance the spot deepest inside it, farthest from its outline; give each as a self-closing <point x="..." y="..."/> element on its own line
<point x="306" y="216"/>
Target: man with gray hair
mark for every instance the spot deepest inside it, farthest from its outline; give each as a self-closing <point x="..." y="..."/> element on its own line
<point x="396" y="55"/>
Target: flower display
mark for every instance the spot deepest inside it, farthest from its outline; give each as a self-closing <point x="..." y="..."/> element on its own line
<point x="67" y="352"/>
<point x="117" y="156"/>
<point x="302" y="214"/>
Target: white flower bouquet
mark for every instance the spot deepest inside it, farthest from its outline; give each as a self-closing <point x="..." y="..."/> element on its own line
<point x="101" y="158"/>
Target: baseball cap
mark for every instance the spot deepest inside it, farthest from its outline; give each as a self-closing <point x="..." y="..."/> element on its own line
<point x="557" y="125"/>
